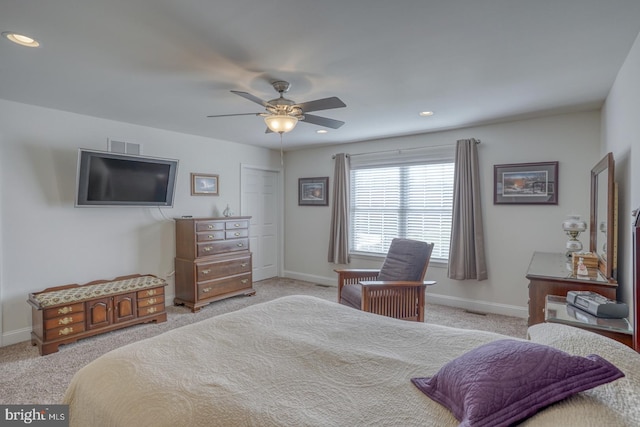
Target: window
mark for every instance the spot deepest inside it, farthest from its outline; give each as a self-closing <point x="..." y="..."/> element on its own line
<point x="407" y="200"/>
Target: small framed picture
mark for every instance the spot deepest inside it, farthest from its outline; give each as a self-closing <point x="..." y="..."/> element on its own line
<point x="204" y="184"/>
<point x="313" y="191"/>
<point x="526" y="183"/>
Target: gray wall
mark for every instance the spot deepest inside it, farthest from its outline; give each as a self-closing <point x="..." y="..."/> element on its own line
<point x="620" y="135"/>
<point x="47" y="242"/>
<point x="513" y="232"/>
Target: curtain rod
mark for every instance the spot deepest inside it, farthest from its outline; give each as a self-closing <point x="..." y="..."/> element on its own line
<point x="400" y="150"/>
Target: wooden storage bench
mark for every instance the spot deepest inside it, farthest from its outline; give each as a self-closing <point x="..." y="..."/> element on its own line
<point x="65" y="314"/>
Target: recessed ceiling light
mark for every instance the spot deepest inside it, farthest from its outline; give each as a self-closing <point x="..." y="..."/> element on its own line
<point x="322" y="131"/>
<point x="20" y="39"/>
<point x="426" y="113"/>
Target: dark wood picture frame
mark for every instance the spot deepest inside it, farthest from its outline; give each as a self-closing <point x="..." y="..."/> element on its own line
<point x="313" y="191"/>
<point x="525" y="184"/>
<point x="204" y="184"/>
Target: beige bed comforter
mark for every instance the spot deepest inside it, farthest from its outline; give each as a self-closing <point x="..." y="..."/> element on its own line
<point x="295" y="361"/>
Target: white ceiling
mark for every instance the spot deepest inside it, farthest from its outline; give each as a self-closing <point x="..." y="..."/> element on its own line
<point x="168" y="63"/>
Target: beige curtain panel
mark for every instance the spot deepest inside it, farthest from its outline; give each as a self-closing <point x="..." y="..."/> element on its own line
<point x="466" y="253"/>
<point x="339" y="233"/>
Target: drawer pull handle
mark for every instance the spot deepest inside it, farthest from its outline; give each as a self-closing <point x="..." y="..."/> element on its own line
<point x="244" y="281"/>
<point x="206" y="290"/>
<point x="207" y="271"/>
<point x="65" y="331"/>
<point x="65" y="320"/>
<point x="210" y="237"/>
<point x="151" y="292"/>
<point x="153" y="300"/>
<point x="152" y="310"/>
<point x="240" y="245"/>
<point x="236" y="225"/>
<point x="207" y="248"/>
<point x="210" y="226"/>
<point x="65" y="310"/>
<point x="244" y="264"/>
<point x="237" y="233"/>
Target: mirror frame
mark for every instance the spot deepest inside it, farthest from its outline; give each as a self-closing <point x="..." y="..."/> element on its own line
<point x="605" y="168"/>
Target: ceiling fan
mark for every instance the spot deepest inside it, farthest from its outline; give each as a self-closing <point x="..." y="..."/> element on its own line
<point x="283" y="114"/>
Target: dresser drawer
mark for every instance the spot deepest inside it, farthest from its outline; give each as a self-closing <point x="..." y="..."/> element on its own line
<point x="209" y="225"/>
<point x="232" y="225"/>
<point x="50" y="313"/>
<point x="63" y="331"/>
<point x="214" y="248"/>
<point x="224" y="286"/>
<point x="69" y="319"/>
<point x="150" y="309"/>
<point x="209" y="236"/>
<point x="213" y="270"/>
<point x="145" y="302"/>
<point x="237" y="234"/>
<point x="150" y="292"/>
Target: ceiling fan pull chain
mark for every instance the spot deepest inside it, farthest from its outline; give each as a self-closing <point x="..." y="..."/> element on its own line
<point x="281" y="153"/>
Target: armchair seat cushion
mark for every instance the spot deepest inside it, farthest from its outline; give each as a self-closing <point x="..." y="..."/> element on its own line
<point x="351" y="295"/>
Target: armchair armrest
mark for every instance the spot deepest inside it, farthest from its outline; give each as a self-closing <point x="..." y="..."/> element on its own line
<point x="353" y="276"/>
<point x="399" y="283"/>
<point x="358" y="271"/>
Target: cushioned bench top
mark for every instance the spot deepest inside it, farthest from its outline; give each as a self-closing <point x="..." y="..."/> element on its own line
<point x="87" y="292"/>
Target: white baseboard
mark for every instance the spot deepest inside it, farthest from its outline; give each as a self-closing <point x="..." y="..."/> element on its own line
<point x="14" y="337"/>
<point x="479" y="306"/>
<point x="321" y="280"/>
<point x="466" y="304"/>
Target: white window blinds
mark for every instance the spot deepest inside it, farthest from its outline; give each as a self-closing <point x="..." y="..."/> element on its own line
<point x="405" y="195"/>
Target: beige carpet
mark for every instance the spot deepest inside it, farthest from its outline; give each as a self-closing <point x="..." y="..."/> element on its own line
<point x="28" y="378"/>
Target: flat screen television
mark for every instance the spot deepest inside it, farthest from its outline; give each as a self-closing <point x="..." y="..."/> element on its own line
<point x="115" y="179"/>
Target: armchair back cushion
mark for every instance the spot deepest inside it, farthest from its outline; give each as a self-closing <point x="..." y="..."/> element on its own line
<point x="406" y="260"/>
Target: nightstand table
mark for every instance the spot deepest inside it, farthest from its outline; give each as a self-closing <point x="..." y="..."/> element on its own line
<point x="551" y="274"/>
<point x="557" y="310"/>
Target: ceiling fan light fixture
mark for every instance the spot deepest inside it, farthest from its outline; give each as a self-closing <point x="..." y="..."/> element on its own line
<point x="281" y="123"/>
<point x="20" y="39"/>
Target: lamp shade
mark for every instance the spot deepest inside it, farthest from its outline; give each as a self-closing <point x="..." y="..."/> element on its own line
<point x="280" y="123"/>
<point x="574" y="223"/>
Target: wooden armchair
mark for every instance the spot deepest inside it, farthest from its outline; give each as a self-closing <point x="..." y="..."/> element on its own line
<point x="395" y="290"/>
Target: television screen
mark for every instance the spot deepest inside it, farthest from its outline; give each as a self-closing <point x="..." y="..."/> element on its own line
<point x="115" y="179"/>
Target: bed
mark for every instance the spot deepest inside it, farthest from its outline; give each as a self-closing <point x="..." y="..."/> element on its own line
<point x="304" y="361"/>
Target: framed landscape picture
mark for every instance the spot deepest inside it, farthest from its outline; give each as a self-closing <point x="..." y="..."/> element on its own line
<point x="313" y="191"/>
<point x="526" y="183"/>
<point x="204" y="184"/>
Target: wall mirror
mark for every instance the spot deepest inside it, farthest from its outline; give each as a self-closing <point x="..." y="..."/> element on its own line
<point x="603" y="225"/>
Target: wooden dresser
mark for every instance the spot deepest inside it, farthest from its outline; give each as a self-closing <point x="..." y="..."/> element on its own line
<point x="213" y="260"/>
<point x="65" y="314"/>
<point x="552" y="274"/>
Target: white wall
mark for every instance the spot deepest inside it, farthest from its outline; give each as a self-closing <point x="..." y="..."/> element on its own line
<point x="513" y="232"/>
<point x="47" y="242"/>
<point x="620" y="135"/>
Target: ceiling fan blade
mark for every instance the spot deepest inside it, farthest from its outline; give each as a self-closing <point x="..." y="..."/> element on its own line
<point x="322" y="104"/>
<point x="240" y="114"/>
<point x="322" y="121"/>
<point x="251" y="98"/>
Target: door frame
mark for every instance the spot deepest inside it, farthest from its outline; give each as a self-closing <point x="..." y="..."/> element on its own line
<point x="279" y="203"/>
